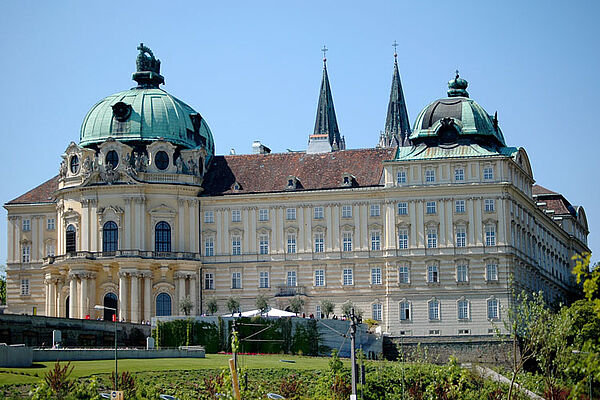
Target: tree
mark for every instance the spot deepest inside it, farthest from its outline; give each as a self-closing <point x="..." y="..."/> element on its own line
<point x="296" y="304"/>
<point x="2" y="284"/>
<point x="233" y="304"/>
<point x="590" y="277"/>
<point x="186" y="305"/>
<point x="347" y="308"/>
<point x="262" y="303"/>
<point x="327" y="307"/>
<point x="212" y="306"/>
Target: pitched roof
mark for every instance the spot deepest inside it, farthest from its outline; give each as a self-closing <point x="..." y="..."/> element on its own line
<point x="262" y="173"/>
<point x="40" y="194"/>
<point x="540" y="190"/>
<point x="397" y="124"/>
<point x="326" y="121"/>
<point x="552" y="202"/>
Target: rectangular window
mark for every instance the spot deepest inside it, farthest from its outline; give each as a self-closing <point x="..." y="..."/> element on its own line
<point x="375" y="240"/>
<point x="490" y="235"/>
<point x="263" y="279"/>
<point x="403" y="238"/>
<point x="25" y="287"/>
<point x="376" y="276"/>
<point x="51" y="224"/>
<point x="236" y="245"/>
<point x="404" y="311"/>
<point x="492" y="306"/>
<point x="209" y="281"/>
<point x="291" y="278"/>
<point x="403" y="274"/>
<point x="319" y="277"/>
<point x="347" y="241"/>
<point x="461" y="236"/>
<point x="26" y="256"/>
<point x="489" y="205"/>
<point x="319" y="242"/>
<point x="290" y="214"/>
<point x="375" y="210"/>
<point x="236" y="280"/>
<point x="291" y="242"/>
<point x="402" y="208"/>
<point x="459" y="206"/>
<point x="209" y="217"/>
<point x="318" y="313"/>
<point x="432" y="274"/>
<point x="491" y="272"/>
<point x="401" y="177"/>
<point x="462" y="273"/>
<point x="434" y="310"/>
<point x="346" y="211"/>
<point x="209" y="246"/>
<point x="347" y="277"/>
<point x="26" y="225"/>
<point x="236" y="216"/>
<point x="431" y="207"/>
<point x="430" y="175"/>
<point x="376" y="311"/>
<point x="463" y="309"/>
<point x="488" y="173"/>
<point x="459" y="174"/>
<point x="263" y="214"/>
<point x="263" y="244"/>
<point x="431" y="238"/>
<point x="318" y="212"/>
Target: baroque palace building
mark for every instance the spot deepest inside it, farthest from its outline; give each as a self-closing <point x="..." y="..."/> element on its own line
<point x="426" y="233"/>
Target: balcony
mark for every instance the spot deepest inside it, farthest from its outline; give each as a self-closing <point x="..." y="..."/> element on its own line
<point x="99" y="255"/>
<point x="289" y="291"/>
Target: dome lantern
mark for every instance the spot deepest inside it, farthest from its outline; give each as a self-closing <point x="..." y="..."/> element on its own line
<point x="457" y="87"/>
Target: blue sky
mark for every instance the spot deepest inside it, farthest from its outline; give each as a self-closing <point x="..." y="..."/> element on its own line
<point x="253" y="69"/>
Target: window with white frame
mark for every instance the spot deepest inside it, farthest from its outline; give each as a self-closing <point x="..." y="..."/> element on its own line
<point x="488" y="173"/>
<point x="376" y="276"/>
<point x="463" y="309"/>
<point x="462" y="272"/>
<point x="236" y="216"/>
<point x="489" y="205"/>
<point x="319" y="277"/>
<point x="461" y="236"/>
<point x="403" y="274"/>
<point x="430" y="175"/>
<point x="459" y="206"/>
<point x="403" y="238"/>
<point x="375" y="210"/>
<point x="263" y="279"/>
<point x="318" y="212"/>
<point x="236" y="280"/>
<point x="263" y="214"/>
<point x="402" y="208"/>
<point x="263" y="243"/>
<point x="377" y="311"/>
<point x="26" y="253"/>
<point x="347" y="241"/>
<point x="493" y="309"/>
<point x="431" y="207"/>
<point x="459" y="174"/>
<point x="400" y="177"/>
<point x="319" y="242"/>
<point x="26" y="224"/>
<point x="432" y="274"/>
<point x="431" y="238"/>
<point x="491" y="271"/>
<point x="375" y="240"/>
<point x="347" y="277"/>
<point x="434" y="310"/>
<point x="50" y="249"/>
<point x="490" y="235"/>
<point x="346" y="211"/>
<point x="291" y="242"/>
<point x="209" y="281"/>
<point x="291" y="278"/>
<point x="236" y="245"/>
<point x="24" y="286"/>
<point x="209" y="246"/>
<point x="404" y="307"/>
<point x="209" y="217"/>
<point x="50" y="224"/>
<point x="290" y="214"/>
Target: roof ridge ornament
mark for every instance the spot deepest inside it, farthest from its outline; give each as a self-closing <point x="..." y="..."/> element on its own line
<point x="147" y="73"/>
<point x="457" y="87"/>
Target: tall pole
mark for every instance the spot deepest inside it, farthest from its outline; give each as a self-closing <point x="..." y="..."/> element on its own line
<point x="353" y="352"/>
<point x="116" y="365"/>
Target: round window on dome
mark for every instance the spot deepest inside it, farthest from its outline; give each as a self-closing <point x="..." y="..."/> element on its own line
<point x="161" y="159"/>
<point x="74" y="164"/>
<point x="112" y="158"/>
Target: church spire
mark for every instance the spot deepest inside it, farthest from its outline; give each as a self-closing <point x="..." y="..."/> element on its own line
<point x="397" y="125"/>
<point x="326" y="135"/>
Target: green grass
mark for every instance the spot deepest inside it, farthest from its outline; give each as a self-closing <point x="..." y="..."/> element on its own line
<point x="36" y="373"/>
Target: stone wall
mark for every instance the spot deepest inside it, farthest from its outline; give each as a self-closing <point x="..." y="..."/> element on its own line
<point x="106" y="354"/>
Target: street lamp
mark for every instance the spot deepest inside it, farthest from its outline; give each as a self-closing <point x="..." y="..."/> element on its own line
<point x="99" y="307"/>
<point x="589" y="374"/>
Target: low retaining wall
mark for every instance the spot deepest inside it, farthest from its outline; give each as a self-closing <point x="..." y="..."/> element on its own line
<point x="15" y="357"/>
<point x="106" y="354"/>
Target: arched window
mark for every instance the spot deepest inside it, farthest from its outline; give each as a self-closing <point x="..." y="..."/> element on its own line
<point x="70" y="239"/>
<point x="162" y="237"/>
<point x="110" y="237"/>
<point x="163" y="305"/>
<point x="110" y="301"/>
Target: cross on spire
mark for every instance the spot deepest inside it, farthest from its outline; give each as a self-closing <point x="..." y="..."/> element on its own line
<point x="395" y="46"/>
<point x="324" y="50"/>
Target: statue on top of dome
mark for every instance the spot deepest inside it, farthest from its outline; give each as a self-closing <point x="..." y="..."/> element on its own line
<point x="146" y="61"/>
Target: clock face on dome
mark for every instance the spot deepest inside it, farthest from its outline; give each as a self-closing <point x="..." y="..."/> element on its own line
<point x="121" y="111"/>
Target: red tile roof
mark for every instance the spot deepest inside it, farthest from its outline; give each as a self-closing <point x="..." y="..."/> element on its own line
<point x="539" y="189"/>
<point x="40" y="194"/>
<point x="261" y="173"/>
<point x="553" y="201"/>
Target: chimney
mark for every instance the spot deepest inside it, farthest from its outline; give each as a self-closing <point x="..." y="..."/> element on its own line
<point x="259" y="148"/>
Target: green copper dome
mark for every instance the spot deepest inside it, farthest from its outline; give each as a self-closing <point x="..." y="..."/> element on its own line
<point x="146" y="113"/>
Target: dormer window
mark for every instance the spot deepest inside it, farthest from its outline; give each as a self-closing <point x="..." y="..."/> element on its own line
<point x="236" y="186"/>
<point x="74" y="164"/>
<point x="293" y="183"/>
<point x="348" y="180"/>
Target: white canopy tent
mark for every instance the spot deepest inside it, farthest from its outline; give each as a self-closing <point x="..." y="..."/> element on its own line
<point x="272" y="312"/>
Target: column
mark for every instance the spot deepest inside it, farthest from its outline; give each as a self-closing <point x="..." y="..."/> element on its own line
<point x="123" y="301"/>
<point x="47" y="302"/>
<point x="52" y="302"/>
<point x="181" y="291"/>
<point x="135" y="298"/>
<point x="91" y="286"/>
<point x="359" y="243"/>
<point x="60" y="306"/>
<point x="193" y="283"/>
<point x="93" y="227"/>
<point x="301" y="230"/>
<point x="85" y="226"/>
<point x="147" y="295"/>
<point x="83" y="301"/>
<point x="471" y="212"/>
<point x="193" y="220"/>
<point x="142" y="222"/>
<point x="72" y="295"/>
<point x="181" y="226"/>
<point x="389" y="229"/>
<point x="138" y="225"/>
<point x="442" y="226"/>
<point x="127" y="224"/>
<point x="178" y="289"/>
